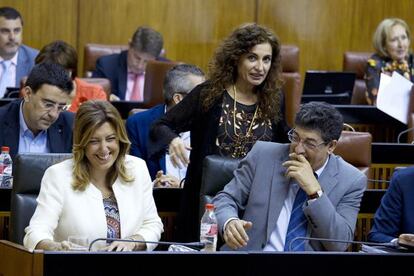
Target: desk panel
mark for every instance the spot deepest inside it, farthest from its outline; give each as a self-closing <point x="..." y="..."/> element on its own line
<point x="13" y="257"/>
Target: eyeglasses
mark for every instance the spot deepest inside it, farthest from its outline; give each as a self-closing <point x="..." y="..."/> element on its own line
<point x="294" y="138"/>
<point x="48" y="105"/>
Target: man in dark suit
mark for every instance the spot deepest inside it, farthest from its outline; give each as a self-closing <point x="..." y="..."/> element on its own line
<point x="126" y="70"/>
<point x="301" y="189"/>
<point x="16" y="59"/>
<point x="178" y="82"/>
<point x="37" y="123"/>
<point x="394" y="219"/>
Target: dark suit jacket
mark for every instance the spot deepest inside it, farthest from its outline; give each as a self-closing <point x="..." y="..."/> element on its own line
<point x="115" y="68"/>
<point x="25" y="62"/>
<point x="59" y="135"/>
<point x="395" y="214"/>
<point x="138" y="127"/>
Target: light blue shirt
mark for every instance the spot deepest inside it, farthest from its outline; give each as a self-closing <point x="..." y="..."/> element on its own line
<point x="28" y="142"/>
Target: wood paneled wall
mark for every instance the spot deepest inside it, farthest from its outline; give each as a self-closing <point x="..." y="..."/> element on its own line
<point x="47" y="20"/>
<point x="324" y="29"/>
<point x="192" y="29"/>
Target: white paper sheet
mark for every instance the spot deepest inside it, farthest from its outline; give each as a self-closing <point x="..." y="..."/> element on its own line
<point x="394" y="96"/>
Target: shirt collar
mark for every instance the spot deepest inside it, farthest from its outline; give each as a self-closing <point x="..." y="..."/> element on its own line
<point x="320" y="170"/>
<point x="22" y="123"/>
<point x="13" y="59"/>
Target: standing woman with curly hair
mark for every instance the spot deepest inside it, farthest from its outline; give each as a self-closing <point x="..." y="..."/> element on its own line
<point x="239" y="104"/>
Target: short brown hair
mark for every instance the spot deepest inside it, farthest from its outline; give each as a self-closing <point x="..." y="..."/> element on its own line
<point x="147" y="40"/>
<point x="61" y="53"/>
<point x="90" y="116"/>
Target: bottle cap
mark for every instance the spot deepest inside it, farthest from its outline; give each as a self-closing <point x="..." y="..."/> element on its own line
<point x="4" y="148"/>
<point x="210" y="206"/>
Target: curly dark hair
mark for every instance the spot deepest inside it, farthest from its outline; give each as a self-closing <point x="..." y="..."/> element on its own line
<point x="223" y="68"/>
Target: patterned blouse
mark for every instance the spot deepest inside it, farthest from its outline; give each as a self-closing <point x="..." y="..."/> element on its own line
<point x="232" y="140"/>
<point x="112" y="217"/>
<point x="377" y="65"/>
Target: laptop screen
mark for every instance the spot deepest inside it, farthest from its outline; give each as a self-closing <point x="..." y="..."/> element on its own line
<point x="328" y="83"/>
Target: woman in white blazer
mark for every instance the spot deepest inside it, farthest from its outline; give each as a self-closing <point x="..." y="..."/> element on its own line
<point x="100" y="193"/>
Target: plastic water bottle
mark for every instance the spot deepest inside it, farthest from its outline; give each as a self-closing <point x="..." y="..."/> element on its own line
<point x="6" y="168"/>
<point x="208" y="229"/>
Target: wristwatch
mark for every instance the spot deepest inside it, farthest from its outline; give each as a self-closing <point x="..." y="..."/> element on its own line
<point x="316" y="195"/>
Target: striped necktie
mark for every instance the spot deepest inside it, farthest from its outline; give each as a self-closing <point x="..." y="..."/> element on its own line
<point x="297" y="224"/>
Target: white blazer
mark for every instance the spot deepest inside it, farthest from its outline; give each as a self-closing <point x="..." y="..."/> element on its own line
<point x="62" y="212"/>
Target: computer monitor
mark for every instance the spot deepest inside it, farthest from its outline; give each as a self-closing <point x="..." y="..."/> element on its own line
<point x="328" y="86"/>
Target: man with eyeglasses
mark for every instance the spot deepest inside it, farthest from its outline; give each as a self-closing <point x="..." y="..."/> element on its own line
<point x="288" y="191"/>
<point x="178" y="82"/>
<point x="37" y="123"/>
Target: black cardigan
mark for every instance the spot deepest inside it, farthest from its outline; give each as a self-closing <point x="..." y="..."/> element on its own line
<point x="189" y="115"/>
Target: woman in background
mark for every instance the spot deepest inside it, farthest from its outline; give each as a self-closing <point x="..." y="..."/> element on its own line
<point x="100" y="193"/>
<point x="391" y="42"/>
<point x="62" y="53"/>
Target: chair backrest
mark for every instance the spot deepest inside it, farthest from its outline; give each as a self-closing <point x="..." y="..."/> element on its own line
<point x="28" y="171"/>
<point x="292" y="81"/>
<point x="93" y="51"/>
<point x="353" y="147"/>
<point x="104" y="83"/>
<point x="217" y="172"/>
<point x="154" y="80"/>
<point x="356" y="62"/>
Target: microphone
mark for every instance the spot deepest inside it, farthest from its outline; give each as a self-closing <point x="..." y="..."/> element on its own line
<point x="197" y="245"/>
<point x="385" y="244"/>
<point x="402" y="132"/>
<point x="378" y="180"/>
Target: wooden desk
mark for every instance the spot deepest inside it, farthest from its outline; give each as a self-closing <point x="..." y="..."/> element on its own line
<point x="4" y="212"/>
<point x="383" y="127"/>
<point x="15" y="260"/>
<point x="385" y="158"/>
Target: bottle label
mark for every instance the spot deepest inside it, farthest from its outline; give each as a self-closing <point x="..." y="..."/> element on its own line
<point x="209" y="229"/>
<point x="208" y="235"/>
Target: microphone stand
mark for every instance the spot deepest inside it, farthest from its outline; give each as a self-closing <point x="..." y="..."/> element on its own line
<point x="386" y="244"/>
<point x="198" y="245"/>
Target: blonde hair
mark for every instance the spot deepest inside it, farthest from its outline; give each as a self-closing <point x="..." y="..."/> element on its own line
<point x="382" y="32"/>
<point x="90" y="116"/>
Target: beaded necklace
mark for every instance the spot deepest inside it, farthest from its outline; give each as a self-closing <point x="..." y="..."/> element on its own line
<point x="240" y="141"/>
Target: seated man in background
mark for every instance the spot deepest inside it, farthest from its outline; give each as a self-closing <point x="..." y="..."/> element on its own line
<point x="16" y="59"/>
<point x="126" y="70"/>
<point x="394" y="220"/>
<point x="178" y="82"/>
<point x="62" y="53"/>
<point x="298" y="190"/>
<point x="37" y="123"/>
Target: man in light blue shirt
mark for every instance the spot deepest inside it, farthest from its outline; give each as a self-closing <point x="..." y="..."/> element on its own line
<point x="37" y="123"/>
<point x="16" y="59"/>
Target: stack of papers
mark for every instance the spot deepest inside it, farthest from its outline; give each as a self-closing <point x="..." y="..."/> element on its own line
<point x="394" y="96"/>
